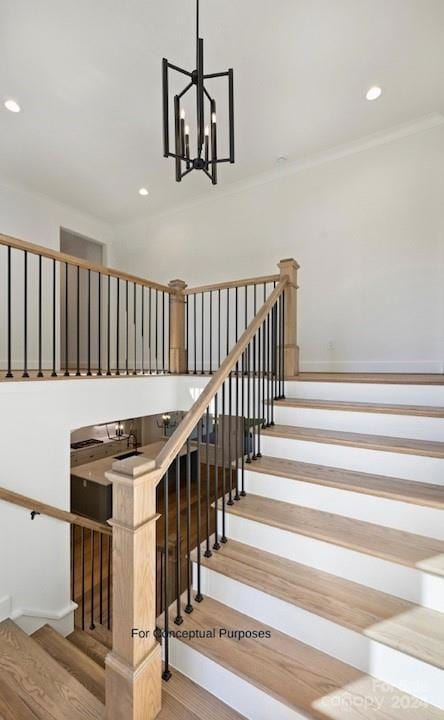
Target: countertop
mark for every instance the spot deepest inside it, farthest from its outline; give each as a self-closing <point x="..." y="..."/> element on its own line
<point x="95" y="470"/>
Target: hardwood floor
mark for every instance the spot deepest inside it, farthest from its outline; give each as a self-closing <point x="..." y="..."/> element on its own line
<point x="409" y="446"/>
<point x="409" y="491"/>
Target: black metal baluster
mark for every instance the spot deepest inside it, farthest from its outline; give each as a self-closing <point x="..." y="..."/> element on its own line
<point x="143" y="329"/>
<point x="163" y="332"/>
<point x="179" y="618"/>
<point x="223" y="538"/>
<point x="118" y="328"/>
<point x="254" y="456"/>
<point x="230" y="469"/>
<point x="25" y="318"/>
<point x="216" y="545"/>
<point x="187" y="331"/>
<point x="78" y="321"/>
<point x="195" y="333"/>
<point x="9" y="373"/>
<point x="219" y="327"/>
<point x="135" y="326"/>
<point x="236" y="331"/>
<point x="108" y="330"/>
<point x="82" y="552"/>
<point x="211" y="332"/>
<point x="264" y="365"/>
<point x="166" y="673"/>
<point x="126" y="329"/>
<point x="189" y="607"/>
<point x="100" y="578"/>
<point x="149" y="331"/>
<point x="259" y="387"/>
<point x="99" y="324"/>
<point x="89" y="323"/>
<point x="283" y="345"/>
<point x="91" y="625"/>
<point x="202" y="370"/>
<point x="108" y="588"/>
<point x="249" y="433"/>
<point x="54" y="314"/>
<point x="40" y="373"/>
<point x="156" y="339"/>
<point x="66" y="373"/>
<point x="199" y="596"/>
<point x="208" y="552"/>
<point x="73" y="563"/>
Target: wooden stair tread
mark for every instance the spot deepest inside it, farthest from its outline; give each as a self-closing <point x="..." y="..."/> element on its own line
<point x="76" y="662"/>
<point x="182" y="699"/>
<point x="89" y="645"/>
<point x="410" y="446"/>
<point x="368" y="407"/>
<point x="395" y="622"/>
<point x="386" y="543"/>
<point x="410" y="491"/>
<point x="101" y="634"/>
<point x="46" y="687"/>
<point x="371" y="378"/>
<point x="296" y="674"/>
<point x="12" y="706"/>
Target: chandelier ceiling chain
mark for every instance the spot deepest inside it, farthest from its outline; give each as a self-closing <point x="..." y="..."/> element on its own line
<point x="206" y="158"/>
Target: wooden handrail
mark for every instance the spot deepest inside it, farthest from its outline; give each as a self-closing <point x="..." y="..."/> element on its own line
<point x="51" y="511"/>
<point x="233" y="284"/>
<point x="184" y="430"/>
<point x="78" y="262"/>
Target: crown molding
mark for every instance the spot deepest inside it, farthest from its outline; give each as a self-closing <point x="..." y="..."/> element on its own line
<point x="367" y="142"/>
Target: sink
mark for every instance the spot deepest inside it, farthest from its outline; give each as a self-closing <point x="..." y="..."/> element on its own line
<point x="131" y="453"/>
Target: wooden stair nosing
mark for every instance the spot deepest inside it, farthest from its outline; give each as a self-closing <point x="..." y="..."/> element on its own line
<point x="383" y="443"/>
<point x="72" y="659"/>
<point x="410" y="491"/>
<point x="293" y="673"/>
<point x="370" y="378"/>
<point x="365" y="407"/>
<point x="364" y="610"/>
<point x="398" y="546"/>
<point x="49" y="690"/>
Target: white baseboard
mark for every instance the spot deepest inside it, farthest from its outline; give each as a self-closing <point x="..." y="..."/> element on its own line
<point x="5" y="607"/>
<point x="31" y="619"/>
<point x="373" y="366"/>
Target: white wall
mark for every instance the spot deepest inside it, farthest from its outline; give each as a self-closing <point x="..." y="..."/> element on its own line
<point x="36" y="219"/>
<point x="37" y="419"/>
<point x="367" y="230"/>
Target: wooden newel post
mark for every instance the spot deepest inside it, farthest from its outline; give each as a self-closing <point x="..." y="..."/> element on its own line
<point x="178" y="352"/>
<point x="289" y="268"/>
<point x="133" y="667"/>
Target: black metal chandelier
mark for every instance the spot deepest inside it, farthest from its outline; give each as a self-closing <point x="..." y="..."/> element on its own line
<point x="206" y="158"/>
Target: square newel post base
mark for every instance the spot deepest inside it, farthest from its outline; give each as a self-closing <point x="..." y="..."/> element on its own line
<point x="133" y="694"/>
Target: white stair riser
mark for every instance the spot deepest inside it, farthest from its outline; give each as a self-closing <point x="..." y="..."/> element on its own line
<point x="401" y="465"/>
<point x="372" y="657"/>
<point x="249" y="700"/>
<point x="378" y="510"/>
<point x="405" y="582"/>
<point x="408" y="426"/>
<point x="367" y="392"/>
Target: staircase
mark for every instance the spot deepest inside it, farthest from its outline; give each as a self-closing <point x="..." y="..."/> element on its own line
<point x="334" y="568"/>
<point x="49" y="677"/>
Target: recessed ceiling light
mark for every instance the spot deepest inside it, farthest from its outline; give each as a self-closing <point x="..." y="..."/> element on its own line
<point x="282" y="159"/>
<point x="373" y="93"/>
<point x="143" y="191"/>
<point x="12" y="106"/>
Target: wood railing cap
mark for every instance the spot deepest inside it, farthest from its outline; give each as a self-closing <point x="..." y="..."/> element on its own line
<point x="133" y="467"/>
<point x="289" y="261"/>
<point x="177" y="284"/>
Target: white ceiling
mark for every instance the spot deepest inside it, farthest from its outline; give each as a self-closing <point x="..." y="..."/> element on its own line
<point x="87" y="75"/>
